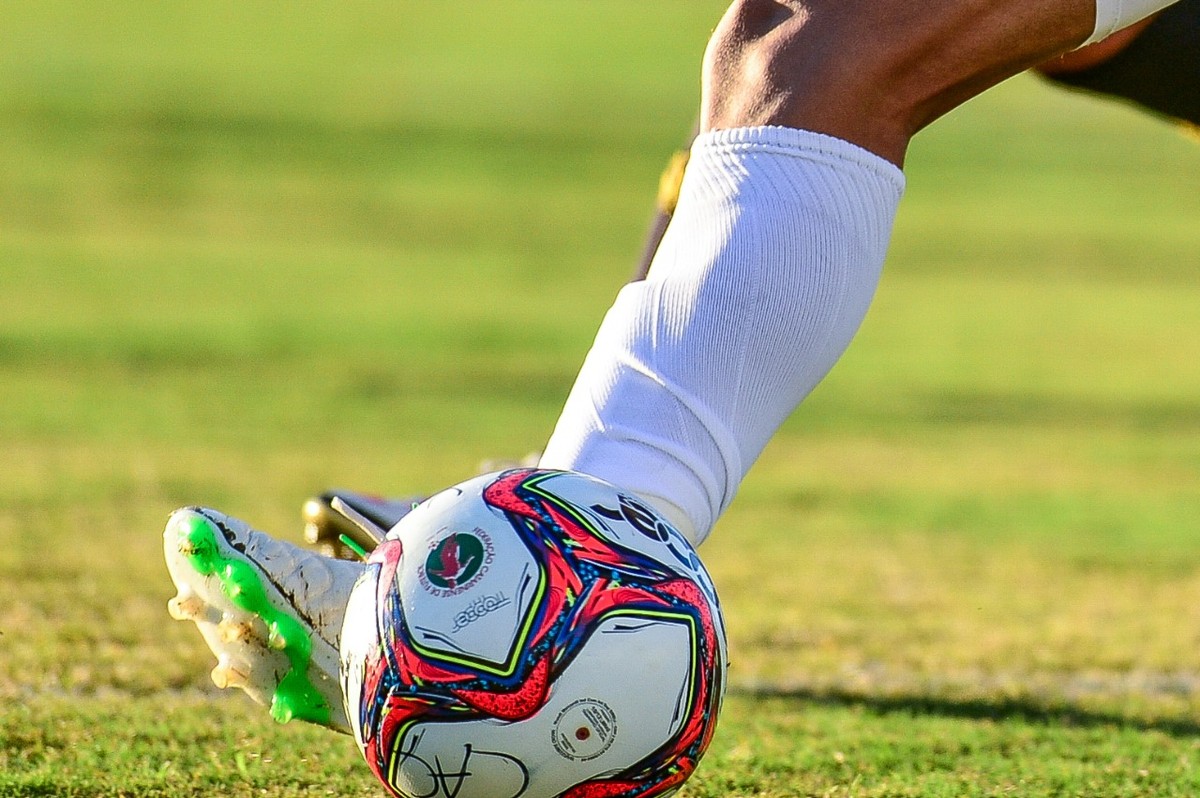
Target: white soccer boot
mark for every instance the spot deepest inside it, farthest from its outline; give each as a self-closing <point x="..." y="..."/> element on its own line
<point x="271" y="612"/>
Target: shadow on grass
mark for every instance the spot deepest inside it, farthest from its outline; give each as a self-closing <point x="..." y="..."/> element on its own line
<point x="1027" y="710"/>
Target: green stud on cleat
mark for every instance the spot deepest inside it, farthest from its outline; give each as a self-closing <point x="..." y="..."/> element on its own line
<point x="297" y="699"/>
<point x="285" y="634"/>
<point x="241" y="584"/>
<point x="271" y="612"/>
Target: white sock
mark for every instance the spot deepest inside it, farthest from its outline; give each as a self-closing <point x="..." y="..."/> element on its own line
<point x="761" y="281"/>
<point x="1115" y="15"/>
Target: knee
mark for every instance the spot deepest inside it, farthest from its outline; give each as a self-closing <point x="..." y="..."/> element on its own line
<point x="732" y="85"/>
<point x="873" y="72"/>
<point x="811" y="65"/>
<point x="754" y="62"/>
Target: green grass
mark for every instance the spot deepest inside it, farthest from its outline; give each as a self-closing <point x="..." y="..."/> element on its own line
<point x="252" y="250"/>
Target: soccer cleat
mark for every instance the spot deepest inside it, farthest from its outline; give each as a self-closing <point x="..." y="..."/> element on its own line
<point x="325" y="526"/>
<point x="271" y="612"/>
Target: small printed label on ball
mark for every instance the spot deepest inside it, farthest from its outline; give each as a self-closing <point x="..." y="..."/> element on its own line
<point x="584" y="730"/>
<point x="456" y="562"/>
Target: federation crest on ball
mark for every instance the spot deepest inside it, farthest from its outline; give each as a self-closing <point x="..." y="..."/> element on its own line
<point x="531" y="634"/>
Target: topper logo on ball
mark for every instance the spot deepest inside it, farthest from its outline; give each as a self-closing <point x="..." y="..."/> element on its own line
<point x="480" y="607"/>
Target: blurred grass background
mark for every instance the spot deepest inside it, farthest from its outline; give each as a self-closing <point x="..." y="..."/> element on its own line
<point x="251" y="250"/>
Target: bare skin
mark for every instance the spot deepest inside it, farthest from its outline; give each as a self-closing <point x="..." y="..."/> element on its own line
<point x="874" y="72"/>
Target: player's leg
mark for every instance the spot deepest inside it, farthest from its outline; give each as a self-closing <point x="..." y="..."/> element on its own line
<point x="874" y="73"/>
<point x="1162" y="73"/>
<point x="775" y="250"/>
<point x="1174" y="74"/>
<point x="1156" y="64"/>
<point x="325" y="528"/>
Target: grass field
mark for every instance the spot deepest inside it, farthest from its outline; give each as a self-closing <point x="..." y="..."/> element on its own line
<point x="251" y="250"/>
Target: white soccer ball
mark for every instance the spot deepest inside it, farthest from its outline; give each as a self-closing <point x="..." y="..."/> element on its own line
<point x="533" y="633"/>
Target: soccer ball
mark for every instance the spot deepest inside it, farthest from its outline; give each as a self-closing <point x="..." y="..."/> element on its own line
<point x="533" y="633"/>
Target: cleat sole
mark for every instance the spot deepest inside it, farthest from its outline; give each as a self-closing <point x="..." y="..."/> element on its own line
<point x="262" y="646"/>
